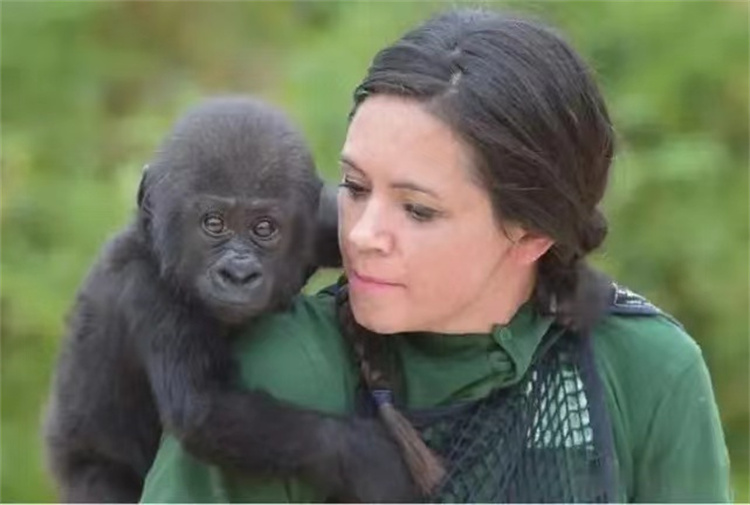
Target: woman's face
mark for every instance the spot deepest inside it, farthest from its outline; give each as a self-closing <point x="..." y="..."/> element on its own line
<point x="421" y="247"/>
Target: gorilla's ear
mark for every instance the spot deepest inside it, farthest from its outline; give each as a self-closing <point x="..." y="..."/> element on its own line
<point x="143" y="188"/>
<point x="327" y="253"/>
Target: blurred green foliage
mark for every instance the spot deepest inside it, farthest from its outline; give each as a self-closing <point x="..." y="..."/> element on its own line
<point x="88" y="89"/>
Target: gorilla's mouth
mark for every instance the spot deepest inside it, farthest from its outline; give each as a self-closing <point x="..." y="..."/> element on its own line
<point x="237" y="298"/>
<point x="231" y="311"/>
<point x="232" y="302"/>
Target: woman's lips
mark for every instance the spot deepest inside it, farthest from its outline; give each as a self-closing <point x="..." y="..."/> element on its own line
<point x="365" y="282"/>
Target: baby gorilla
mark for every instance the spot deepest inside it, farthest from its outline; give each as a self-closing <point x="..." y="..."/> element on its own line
<point x="225" y="231"/>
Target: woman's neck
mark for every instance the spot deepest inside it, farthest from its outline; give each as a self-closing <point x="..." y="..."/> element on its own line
<point x="495" y="304"/>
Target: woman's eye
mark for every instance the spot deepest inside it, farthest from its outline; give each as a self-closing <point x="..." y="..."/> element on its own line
<point x="420" y="212"/>
<point x="265" y="229"/>
<point x="213" y="225"/>
<point x="355" y="190"/>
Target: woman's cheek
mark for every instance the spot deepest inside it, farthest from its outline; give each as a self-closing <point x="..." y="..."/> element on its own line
<point x="344" y="227"/>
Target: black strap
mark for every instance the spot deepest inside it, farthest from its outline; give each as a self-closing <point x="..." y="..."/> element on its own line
<point x="627" y="302"/>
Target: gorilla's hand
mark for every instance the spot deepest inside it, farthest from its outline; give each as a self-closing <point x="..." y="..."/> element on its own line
<point x="371" y="467"/>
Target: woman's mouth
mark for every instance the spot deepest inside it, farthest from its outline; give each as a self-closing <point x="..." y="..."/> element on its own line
<point x="359" y="282"/>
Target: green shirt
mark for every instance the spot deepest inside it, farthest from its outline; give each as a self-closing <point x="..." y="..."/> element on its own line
<point x="669" y="445"/>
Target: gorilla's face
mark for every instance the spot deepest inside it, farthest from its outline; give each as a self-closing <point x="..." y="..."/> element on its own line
<point x="239" y="244"/>
<point x="229" y="203"/>
<point x="236" y="256"/>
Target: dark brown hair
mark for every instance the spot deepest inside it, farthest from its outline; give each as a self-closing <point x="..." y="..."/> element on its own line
<point x="533" y="116"/>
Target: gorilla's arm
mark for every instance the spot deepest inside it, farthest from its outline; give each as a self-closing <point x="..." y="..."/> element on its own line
<point x="250" y="431"/>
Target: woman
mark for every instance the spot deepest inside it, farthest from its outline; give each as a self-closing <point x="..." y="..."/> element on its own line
<point x="477" y="152"/>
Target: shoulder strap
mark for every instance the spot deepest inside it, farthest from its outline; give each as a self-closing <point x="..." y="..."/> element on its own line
<point x="627" y="302"/>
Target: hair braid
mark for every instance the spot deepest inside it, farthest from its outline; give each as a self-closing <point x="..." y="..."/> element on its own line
<point x="372" y="357"/>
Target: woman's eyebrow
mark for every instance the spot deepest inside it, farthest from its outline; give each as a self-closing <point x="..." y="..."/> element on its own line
<point x="411" y="186"/>
<point x="407" y="185"/>
<point x="348" y="161"/>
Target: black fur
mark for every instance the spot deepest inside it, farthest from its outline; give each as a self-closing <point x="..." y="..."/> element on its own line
<point x="148" y="342"/>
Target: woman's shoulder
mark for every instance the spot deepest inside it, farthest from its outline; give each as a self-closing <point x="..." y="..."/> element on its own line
<point x="298" y="354"/>
<point x="666" y="425"/>
<point x="311" y="312"/>
<point x="638" y="337"/>
<point x="645" y="357"/>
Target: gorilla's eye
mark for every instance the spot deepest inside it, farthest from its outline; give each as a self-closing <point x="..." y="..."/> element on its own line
<point x="265" y="229"/>
<point x="213" y="224"/>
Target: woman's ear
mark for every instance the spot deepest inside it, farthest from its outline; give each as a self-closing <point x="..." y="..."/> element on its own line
<point x="529" y="246"/>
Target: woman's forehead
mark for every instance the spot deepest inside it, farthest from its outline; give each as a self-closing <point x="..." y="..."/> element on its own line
<point x="398" y="137"/>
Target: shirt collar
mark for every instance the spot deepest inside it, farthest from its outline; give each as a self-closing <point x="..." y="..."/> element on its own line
<point x="439" y="368"/>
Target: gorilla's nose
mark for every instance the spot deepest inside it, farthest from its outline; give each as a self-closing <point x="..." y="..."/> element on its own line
<point x="240" y="270"/>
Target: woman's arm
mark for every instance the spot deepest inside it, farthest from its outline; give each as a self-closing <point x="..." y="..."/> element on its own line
<point x="684" y="458"/>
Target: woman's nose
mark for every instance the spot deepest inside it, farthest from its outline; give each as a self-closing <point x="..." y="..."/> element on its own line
<point x="371" y="230"/>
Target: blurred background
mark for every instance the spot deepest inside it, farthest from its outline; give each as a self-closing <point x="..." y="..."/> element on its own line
<point x="89" y="88"/>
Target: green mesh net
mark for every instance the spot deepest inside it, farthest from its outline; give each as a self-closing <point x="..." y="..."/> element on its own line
<point x="546" y="439"/>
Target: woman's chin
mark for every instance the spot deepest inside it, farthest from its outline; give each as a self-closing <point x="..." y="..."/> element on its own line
<point x="378" y="321"/>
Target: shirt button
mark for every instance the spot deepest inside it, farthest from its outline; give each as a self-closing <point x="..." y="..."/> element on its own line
<point x="502" y="336"/>
<point x="499" y="361"/>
